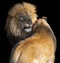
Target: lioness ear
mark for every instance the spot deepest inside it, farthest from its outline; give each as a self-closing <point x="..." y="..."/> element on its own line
<point x="44" y="18"/>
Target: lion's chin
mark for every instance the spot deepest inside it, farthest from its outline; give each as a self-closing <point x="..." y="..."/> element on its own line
<point x="28" y="30"/>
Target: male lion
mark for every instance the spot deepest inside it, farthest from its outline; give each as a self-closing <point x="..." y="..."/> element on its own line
<point x="19" y="22"/>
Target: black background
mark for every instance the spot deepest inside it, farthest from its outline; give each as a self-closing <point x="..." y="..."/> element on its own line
<point x="48" y="8"/>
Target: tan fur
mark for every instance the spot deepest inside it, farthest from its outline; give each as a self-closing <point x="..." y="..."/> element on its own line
<point x="39" y="48"/>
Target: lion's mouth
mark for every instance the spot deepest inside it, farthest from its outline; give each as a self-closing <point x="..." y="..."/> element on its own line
<point x="28" y="29"/>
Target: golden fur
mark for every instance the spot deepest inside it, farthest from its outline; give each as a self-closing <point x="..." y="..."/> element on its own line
<point x="39" y="48"/>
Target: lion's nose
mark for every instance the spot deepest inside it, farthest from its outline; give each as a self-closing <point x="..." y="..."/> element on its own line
<point x="28" y="25"/>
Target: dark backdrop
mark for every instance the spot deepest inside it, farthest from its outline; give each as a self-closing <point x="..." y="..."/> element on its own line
<point x="48" y="8"/>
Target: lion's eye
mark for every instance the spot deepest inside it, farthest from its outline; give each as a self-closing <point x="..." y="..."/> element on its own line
<point x="21" y="18"/>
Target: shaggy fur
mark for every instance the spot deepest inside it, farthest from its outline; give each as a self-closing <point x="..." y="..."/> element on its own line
<point x="22" y="8"/>
<point x="20" y="16"/>
<point x="39" y="48"/>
